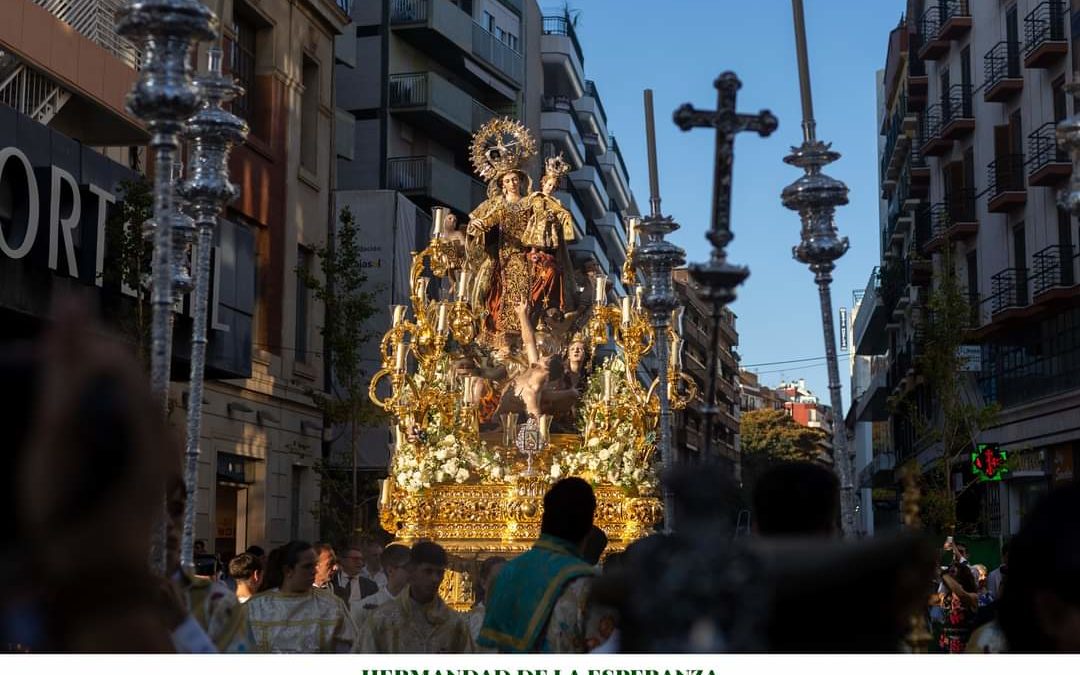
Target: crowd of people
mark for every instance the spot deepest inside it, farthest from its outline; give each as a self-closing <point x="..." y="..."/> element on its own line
<point x="81" y="420"/>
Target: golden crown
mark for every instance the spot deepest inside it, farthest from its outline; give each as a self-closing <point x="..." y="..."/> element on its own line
<point x="501" y="145"/>
<point x="556" y="166"/>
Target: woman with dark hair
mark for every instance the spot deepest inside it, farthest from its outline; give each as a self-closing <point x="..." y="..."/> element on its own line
<point x="294" y="617"/>
<point x="960" y="602"/>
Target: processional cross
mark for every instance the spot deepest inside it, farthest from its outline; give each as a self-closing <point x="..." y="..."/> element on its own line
<point x="717" y="279"/>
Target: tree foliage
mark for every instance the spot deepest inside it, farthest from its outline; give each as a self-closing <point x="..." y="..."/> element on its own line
<point x="952" y="421"/>
<point x="128" y="257"/>
<point x="349" y="304"/>
<point x="774" y="436"/>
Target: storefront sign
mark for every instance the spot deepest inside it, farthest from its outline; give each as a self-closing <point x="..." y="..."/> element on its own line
<point x="969" y="358"/>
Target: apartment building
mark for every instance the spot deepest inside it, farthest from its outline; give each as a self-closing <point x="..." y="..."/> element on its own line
<point x="970" y="171"/>
<point x="416" y="78"/>
<point x="64" y="75"/>
<point x="700" y="338"/>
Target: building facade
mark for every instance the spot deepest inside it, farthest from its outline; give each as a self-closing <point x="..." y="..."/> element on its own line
<point x="970" y="95"/>
<point x="700" y="339"/>
<point x="64" y="75"/>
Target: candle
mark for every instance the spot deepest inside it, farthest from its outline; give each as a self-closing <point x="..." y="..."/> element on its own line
<point x="402" y="352"/>
<point x="601" y="289"/>
<point x="639" y="294"/>
<point x="467" y="390"/>
<point x="438" y="214"/>
<point x="440" y="325"/>
<point x="676" y="320"/>
<point x="384" y="492"/>
<point x="399" y="313"/>
<point x="399" y="438"/>
<point x="421" y="287"/>
<point x="607" y="385"/>
<point x="633" y="231"/>
<point x="626" y="310"/>
<point x="463" y="286"/>
<point x="545" y="428"/>
<point x="676" y="352"/>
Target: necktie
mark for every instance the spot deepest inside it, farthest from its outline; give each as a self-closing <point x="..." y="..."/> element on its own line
<point x="348" y="587"/>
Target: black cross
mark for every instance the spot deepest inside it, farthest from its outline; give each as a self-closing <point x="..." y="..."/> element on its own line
<point x="727" y="123"/>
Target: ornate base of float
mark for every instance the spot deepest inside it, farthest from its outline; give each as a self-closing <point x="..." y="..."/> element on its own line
<point x="476" y="521"/>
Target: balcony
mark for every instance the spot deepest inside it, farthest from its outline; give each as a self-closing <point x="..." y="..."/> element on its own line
<point x="931" y="45"/>
<point x="432" y="103"/>
<point x="564" y="64"/>
<point x="957" y="116"/>
<point x="95" y="19"/>
<point x="897" y="144"/>
<point x="590" y="247"/>
<point x="590" y="111"/>
<point x="879" y="472"/>
<point x="590" y="185"/>
<point x="569" y="200"/>
<point x="611" y="230"/>
<point x="561" y="127"/>
<point x="1009" y="292"/>
<point x="1002" y="68"/>
<point x="869" y="330"/>
<point x="1054" y="276"/>
<point x="918" y="170"/>
<point x="953" y="219"/>
<point x="1045" y="42"/>
<point x="923" y="232"/>
<point x="955" y="19"/>
<point x="1005" y="184"/>
<point x="431" y="182"/>
<point x="933" y="143"/>
<point x="1049" y="165"/>
<point x="445" y="32"/>
<point x="618" y="180"/>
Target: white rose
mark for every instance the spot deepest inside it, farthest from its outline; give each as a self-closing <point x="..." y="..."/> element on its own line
<point x="496" y="472"/>
<point x="440" y="454"/>
<point x="451" y="465"/>
<point x="449" y="439"/>
<point x="462" y="475"/>
<point x="638" y="473"/>
<point x="594" y="463"/>
<point x="440" y="476"/>
<point x="594" y="441"/>
<point x="556" y="471"/>
<point x="605" y="454"/>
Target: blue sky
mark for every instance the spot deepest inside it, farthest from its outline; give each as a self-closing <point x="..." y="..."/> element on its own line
<point x="677" y="48"/>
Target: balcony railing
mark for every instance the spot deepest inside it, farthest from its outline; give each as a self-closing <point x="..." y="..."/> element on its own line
<point x="956" y="104"/>
<point x="1005" y="174"/>
<point x="930" y="24"/>
<point x="1045" y="23"/>
<point x="408" y="11"/>
<point x="1053" y="268"/>
<point x="1043" y="151"/>
<point x="561" y="25"/>
<point x="409" y="89"/>
<point x="96" y="20"/>
<point x="590" y="90"/>
<point x="916" y="65"/>
<point x="1009" y="289"/>
<point x="1001" y="66"/>
<point x="614" y="147"/>
<point x="497" y="53"/>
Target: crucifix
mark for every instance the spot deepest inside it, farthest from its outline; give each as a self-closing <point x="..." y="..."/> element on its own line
<point x="717" y="279"/>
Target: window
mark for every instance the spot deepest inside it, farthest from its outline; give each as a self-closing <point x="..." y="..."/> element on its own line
<point x="309" y="117"/>
<point x="303" y="268"/>
<point x="489" y="22"/>
<point x="512" y="41"/>
<point x="243" y="66"/>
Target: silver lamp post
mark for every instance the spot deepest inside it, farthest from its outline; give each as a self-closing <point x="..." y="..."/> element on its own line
<point x="164" y="97"/>
<point x="815" y="197"/>
<point x="656" y="258"/>
<point x="212" y="132"/>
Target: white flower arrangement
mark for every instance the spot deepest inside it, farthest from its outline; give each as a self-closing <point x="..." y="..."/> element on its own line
<point x="421" y="463"/>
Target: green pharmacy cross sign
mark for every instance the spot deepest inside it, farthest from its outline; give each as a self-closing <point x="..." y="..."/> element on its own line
<point x="988" y="462"/>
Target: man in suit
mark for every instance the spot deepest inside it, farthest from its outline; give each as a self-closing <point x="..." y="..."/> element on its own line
<point x="348" y="584"/>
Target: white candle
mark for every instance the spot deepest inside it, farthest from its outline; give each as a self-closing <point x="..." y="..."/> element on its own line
<point x="463" y="286"/>
<point x="421" y="287"/>
<point x="676" y="320"/>
<point x="545" y="428"/>
<point x="607" y="385"/>
<point x="402" y="352"/>
<point x="633" y="231"/>
<point x="676" y="352"/>
<point x="440" y="325"/>
<point x="399" y="438"/>
<point x="467" y="390"/>
<point x="601" y="289"/>
<point x="399" y="313"/>
<point x="626" y="310"/>
<point x="639" y="293"/>
<point x="438" y="214"/>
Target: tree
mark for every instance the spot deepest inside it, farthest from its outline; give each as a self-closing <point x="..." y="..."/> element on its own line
<point x="768" y="437"/>
<point x="349" y="305"/>
<point x="952" y="420"/>
<point x="128" y="258"/>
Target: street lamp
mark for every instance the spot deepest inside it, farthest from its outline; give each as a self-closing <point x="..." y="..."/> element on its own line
<point x="815" y="197"/>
